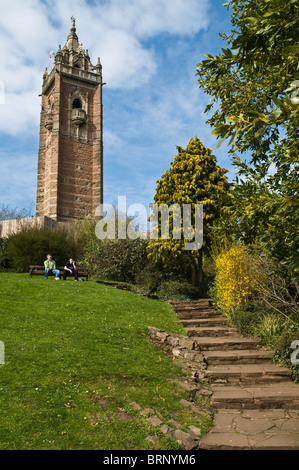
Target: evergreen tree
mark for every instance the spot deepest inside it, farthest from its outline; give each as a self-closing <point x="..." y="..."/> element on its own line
<point x="193" y="178"/>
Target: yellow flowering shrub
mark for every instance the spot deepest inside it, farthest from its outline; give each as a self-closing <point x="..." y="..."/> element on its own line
<point x="236" y="278"/>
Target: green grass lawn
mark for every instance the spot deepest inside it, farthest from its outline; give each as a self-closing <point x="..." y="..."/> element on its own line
<point x="76" y="355"/>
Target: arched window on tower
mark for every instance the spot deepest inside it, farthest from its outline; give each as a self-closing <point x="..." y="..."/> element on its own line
<point x="78" y="113"/>
<point x="77" y="104"/>
<point x="78" y="64"/>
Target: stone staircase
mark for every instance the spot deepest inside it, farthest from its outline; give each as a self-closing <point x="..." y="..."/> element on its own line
<point x="257" y="403"/>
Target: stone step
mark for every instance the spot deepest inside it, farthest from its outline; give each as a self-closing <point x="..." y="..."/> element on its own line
<point x="241" y="356"/>
<point x="208" y="331"/>
<point x="194" y="308"/>
<point x="196" y="314"/>
<point x="253" y="430"/>
<point x="216" y="320"/>
<point x="227" y="343"/>
<point x="248" y="373"/>
<point x="255" y="398"/>
<point x="193" y="303"/>
<point x="282" y="395"/>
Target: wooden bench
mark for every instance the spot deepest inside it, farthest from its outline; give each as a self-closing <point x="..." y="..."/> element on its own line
<point x="35" y="270"/>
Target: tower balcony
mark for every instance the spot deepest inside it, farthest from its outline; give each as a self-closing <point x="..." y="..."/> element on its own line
<point x="49" y="121"/>
<point x="78" y="117"/>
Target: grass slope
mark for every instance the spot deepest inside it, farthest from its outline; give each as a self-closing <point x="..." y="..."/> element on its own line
<point x="76" y="355"/>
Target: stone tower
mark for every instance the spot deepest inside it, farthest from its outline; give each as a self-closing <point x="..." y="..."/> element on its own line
<point x="70" y="160"/>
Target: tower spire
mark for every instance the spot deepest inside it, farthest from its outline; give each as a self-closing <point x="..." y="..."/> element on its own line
<point x="72" y="42"/>
<point x="73" y="20"/>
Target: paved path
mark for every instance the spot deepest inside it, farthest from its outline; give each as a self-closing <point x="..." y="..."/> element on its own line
<point x="257" y="402"/>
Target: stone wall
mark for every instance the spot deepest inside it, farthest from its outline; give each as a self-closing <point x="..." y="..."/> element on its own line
<point x="9" y="227"/>
<point x="181" y="346"/>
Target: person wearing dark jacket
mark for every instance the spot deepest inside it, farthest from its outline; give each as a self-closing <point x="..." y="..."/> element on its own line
<point x="70" y="269"/>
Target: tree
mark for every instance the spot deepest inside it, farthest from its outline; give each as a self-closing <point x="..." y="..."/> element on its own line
<point x="193" y="178"/>
<point x="7" y="213"/>
<point x="253" y="85"/>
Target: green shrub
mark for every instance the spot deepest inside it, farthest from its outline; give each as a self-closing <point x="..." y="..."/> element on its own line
<point x="276" y="330"/>
<point x="83" y="233"/>
<point x="5" y="261"/>
<point x="118" y="260"/>
<point x="270" y="327"/>
<point x="31" y="245"/>
<point x="150" y="278"/>
<point x="282" y="347"/>
<point x="247" y="317"/>
<point x="176" y="290"/>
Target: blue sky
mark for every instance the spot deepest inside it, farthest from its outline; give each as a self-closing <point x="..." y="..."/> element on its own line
<point x="149" y="50"/>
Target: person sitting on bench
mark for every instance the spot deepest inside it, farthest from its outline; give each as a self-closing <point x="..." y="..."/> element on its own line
<point x="50" y="267"/>
<point x="70" y="269"/>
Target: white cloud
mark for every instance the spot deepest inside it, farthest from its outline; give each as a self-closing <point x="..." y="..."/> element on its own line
<point x="25" y="30"/>
<point x="17" y="179"/>
<point x="112" y="140"/>
<point x="19" y="113"/>
<point x="126" y="63"/>
<point x="148" y="18"/>
<point x="116" y="30"/>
